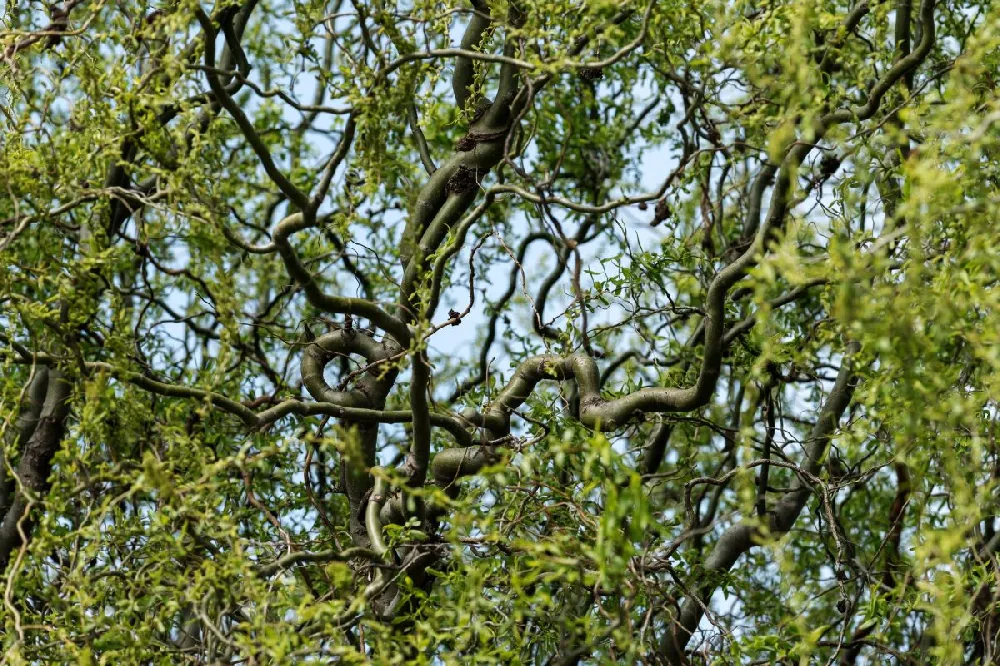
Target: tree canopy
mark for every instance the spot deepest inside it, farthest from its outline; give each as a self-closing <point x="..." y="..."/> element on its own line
<point x="499" y="332"/>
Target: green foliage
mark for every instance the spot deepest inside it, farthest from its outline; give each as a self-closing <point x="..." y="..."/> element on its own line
<point x="783" y="209"/>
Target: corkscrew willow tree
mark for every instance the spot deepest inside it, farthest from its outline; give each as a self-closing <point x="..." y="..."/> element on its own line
<point x="499" y="332"/>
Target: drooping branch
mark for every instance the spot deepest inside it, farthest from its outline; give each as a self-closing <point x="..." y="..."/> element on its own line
<point x="891" y="560"/>
<point x="235" y="20"/>
<point x="496" y="310"/>
<point x="53" y="33"/>
<point x="538" y="316"/>
<point x="334" y="161"/>
<point x="421" y="140"/>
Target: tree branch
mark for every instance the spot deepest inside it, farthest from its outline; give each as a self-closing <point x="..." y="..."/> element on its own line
<point x="294" y="194"/>
<point x="742" y="536"/>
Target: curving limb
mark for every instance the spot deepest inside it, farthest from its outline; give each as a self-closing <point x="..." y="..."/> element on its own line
<point x="360" y="307"/>
<point x="595" y="411"/>
<point x="451" y="465"/>
<point x="449" y="215"/>
<point x="444" y="254"/>
<point x="552" y="145"/>
<point x="373" y="522"/>
<point x="449" y="191"/>
<point x="420" y="446"/>
<point x="371" y="391"/>
<point x="457" y="426"/>
<point x="656" y="446"/>
<point x="374" y="384"/>
<point x="610" y="414"/>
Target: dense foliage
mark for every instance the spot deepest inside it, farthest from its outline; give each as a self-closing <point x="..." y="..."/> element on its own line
<point x="499" y="332"/>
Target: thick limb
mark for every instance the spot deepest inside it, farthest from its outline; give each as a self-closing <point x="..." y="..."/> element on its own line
<point x="370" y="392"/>
<point x="23" y="429"/>
<point x="33" y="469"/>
